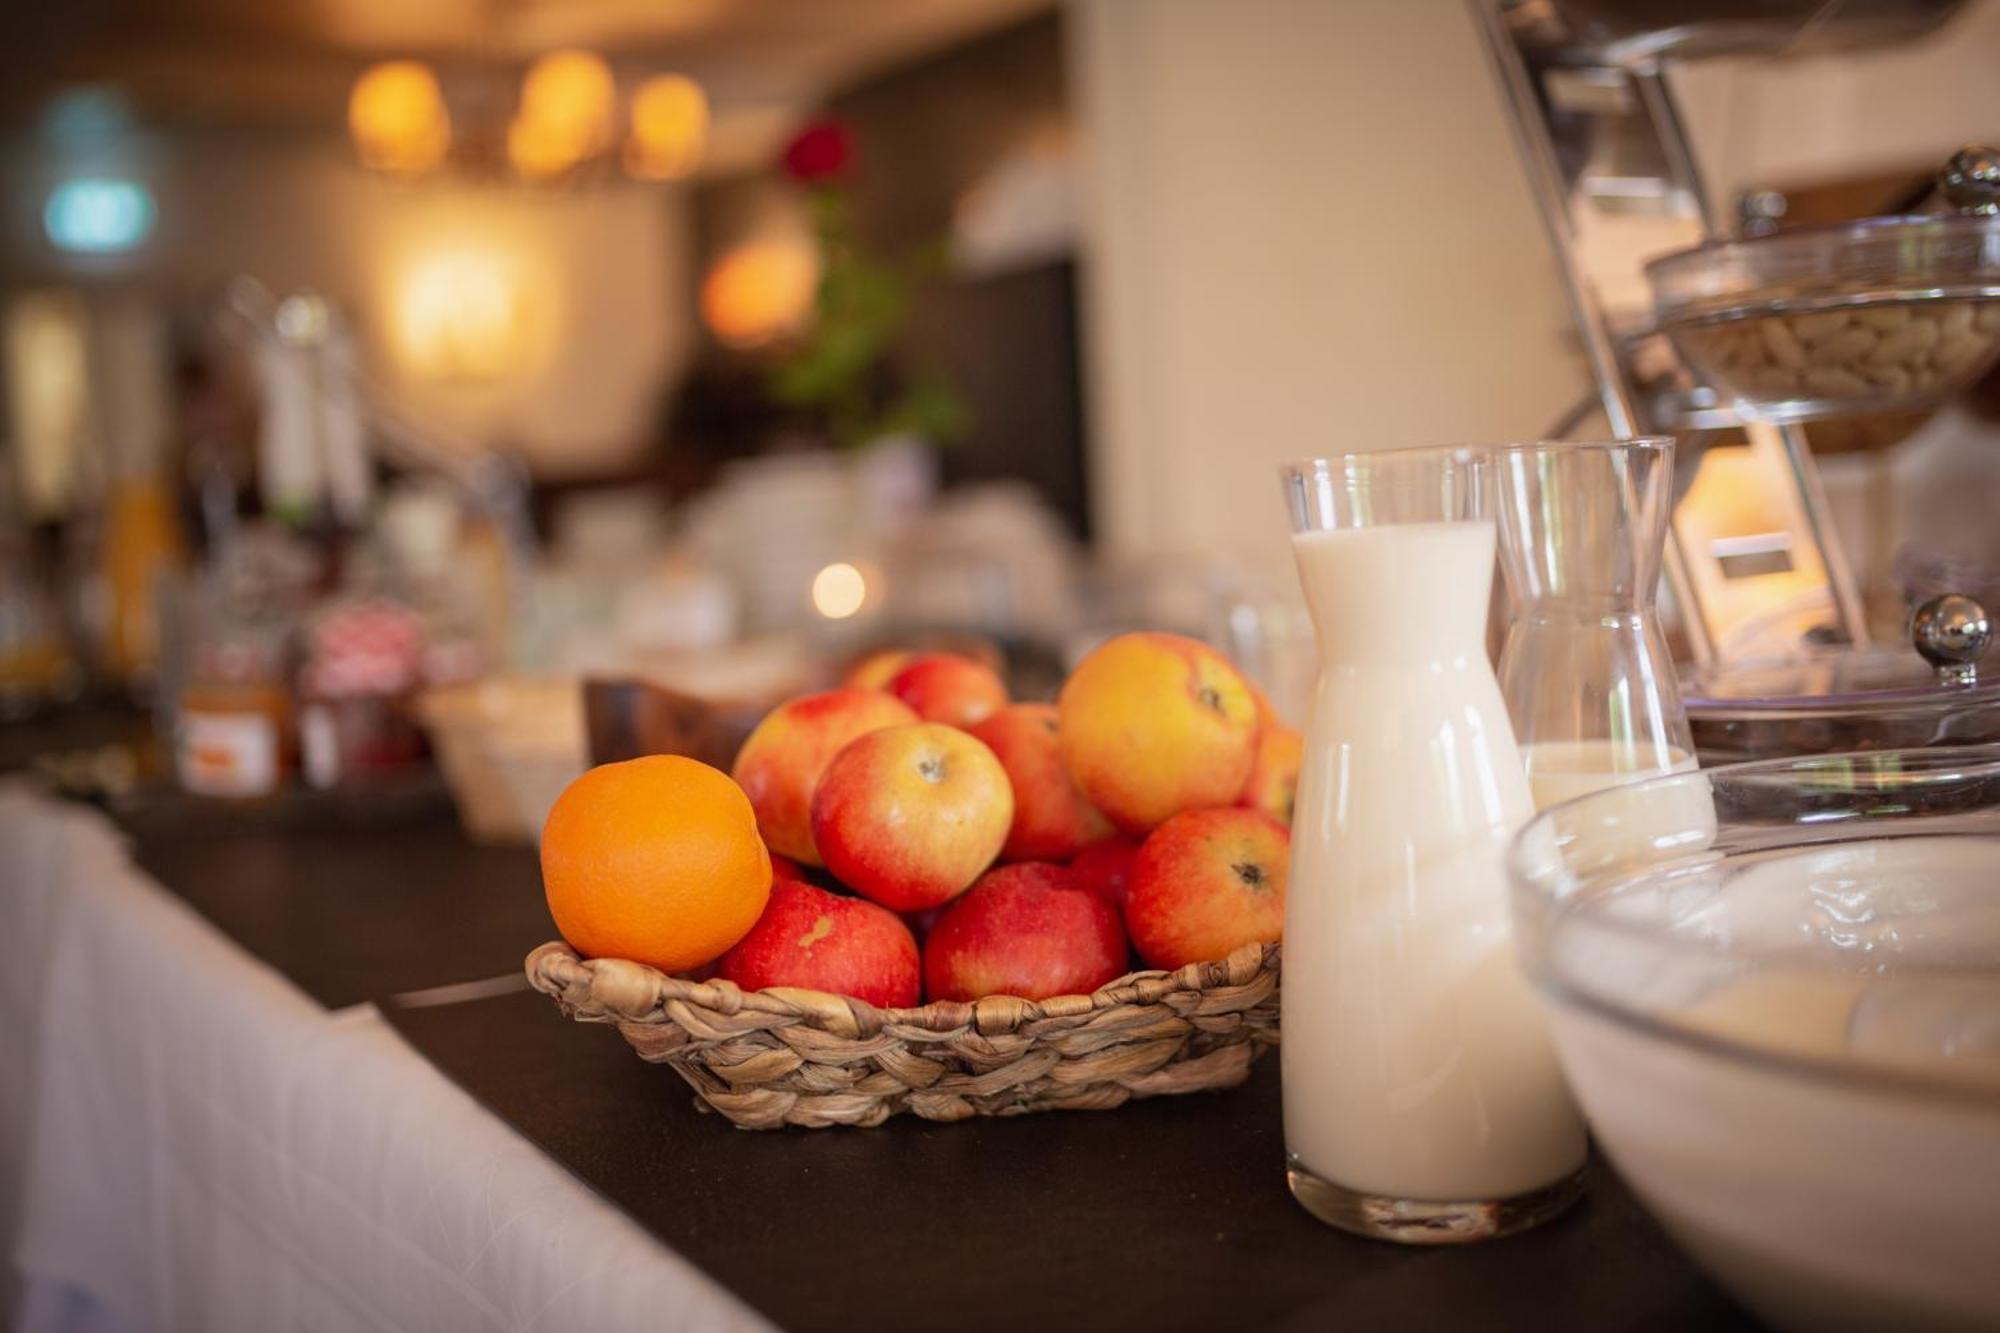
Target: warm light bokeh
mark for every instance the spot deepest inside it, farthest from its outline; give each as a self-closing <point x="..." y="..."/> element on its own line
<point x="540" y="151"/>
<point x="458" y="315"/>
<point x="398" y="118"/>
<point x="839" y="591"/>
<point x="568" y="109"/>
<point x="759" y="290"/>
<point x="669" y="128"/>
<point x="44" y="342"/>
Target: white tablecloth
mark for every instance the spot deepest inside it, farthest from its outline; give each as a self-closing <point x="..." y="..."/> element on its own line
<point x="187" y="1142"/>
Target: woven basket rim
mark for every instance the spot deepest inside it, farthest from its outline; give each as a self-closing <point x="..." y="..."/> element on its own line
<point x="627" y="991"/>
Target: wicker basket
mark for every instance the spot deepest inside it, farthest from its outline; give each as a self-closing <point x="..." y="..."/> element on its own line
<point x="782" y="1057"/>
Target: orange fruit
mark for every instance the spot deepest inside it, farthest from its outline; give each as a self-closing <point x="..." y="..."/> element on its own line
<point x="656" y="860"/>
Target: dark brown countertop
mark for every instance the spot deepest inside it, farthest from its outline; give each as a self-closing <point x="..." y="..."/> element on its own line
<point x="353" y="914"/>
<point x="1165" y="1214"/>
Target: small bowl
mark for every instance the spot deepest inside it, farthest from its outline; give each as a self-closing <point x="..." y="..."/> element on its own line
<point x="1887" y="314"/>
<point x="1775" y="990"/>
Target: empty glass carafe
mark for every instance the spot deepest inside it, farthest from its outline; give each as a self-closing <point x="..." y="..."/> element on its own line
<point x="1586" y="671"/>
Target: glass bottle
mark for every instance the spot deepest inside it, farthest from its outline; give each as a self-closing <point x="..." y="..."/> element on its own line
<point x="1422" y="1098"/>
<point x="1586" y="671"/>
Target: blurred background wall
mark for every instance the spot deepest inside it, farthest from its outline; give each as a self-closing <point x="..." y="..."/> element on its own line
<point x="1308" y="233"/>
<point x="1760" y="124"/>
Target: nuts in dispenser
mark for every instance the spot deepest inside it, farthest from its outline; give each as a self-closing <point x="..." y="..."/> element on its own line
<point x="1860" y="357"/>
<point x="1881" y="314"/>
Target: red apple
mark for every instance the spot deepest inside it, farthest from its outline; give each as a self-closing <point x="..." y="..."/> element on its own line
<point x="782" y="759"/>
<point x="944" y="687"/>
<point x="1027" y="930"/>
<point x="1274" y="775"/>
<point x="1051" y="818"/>
<point x="1105" y="868"/>
<point x="909" y="816"/>
<point x="1207" y="882"/>
<point x="817" y="940"/>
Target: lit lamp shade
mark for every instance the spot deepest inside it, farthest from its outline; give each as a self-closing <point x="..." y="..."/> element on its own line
<point x="397" y="116"/>
<point x="759" y="291"/>
<point x="568" y="112"/>
<point x="669" y="128"/>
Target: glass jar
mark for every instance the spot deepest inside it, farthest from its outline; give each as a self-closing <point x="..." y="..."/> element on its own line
<point x="234" y="727"/>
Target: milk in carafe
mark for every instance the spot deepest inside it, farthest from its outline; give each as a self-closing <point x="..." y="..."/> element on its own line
<point x="1417" y="1066"/>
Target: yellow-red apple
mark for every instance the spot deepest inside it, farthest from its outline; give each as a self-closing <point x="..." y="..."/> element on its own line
<point x="1029" y="930"/>
<point x="877" y="669"/>
<point x="1153" y="724"/>
<point x="781" y="761"/>
<point x="909" y="816"/>
<point x="1274" y="774"/>
<point x="944" y="687"/>
<point x="1207" y="882"/>
<point x="1051" y="818"/>
<point x="817" y="940"/>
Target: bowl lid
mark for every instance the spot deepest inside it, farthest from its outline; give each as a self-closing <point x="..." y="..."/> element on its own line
<point x="1915" y="257"/>
<point x="1835" y="682"/>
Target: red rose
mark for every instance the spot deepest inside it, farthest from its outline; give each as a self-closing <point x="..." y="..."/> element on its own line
<point x="823" y="151"/>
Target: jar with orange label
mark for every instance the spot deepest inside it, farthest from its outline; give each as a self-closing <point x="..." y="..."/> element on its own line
<point x="235" y="723"/>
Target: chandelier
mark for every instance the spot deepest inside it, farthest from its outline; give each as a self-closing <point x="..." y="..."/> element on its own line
<point x="567" y="124"/>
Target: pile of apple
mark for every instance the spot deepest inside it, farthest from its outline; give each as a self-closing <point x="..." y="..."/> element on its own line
<point x="1033" y="847"/>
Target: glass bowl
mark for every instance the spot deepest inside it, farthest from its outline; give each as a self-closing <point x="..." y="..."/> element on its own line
<point x="1886" y="314"/>
<point x="1775" y="991"/>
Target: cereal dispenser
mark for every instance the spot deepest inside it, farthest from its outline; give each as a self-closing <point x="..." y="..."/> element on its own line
<point x="1730" y="342"/>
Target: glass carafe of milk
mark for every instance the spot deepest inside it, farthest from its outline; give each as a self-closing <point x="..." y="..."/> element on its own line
<point x="1586" y="672"/>
<point x="1422" y="1098"/>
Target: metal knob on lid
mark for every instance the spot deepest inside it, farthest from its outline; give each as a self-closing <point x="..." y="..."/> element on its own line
<point x="1970" y="182"/>
<point x="1951" y="633"/>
